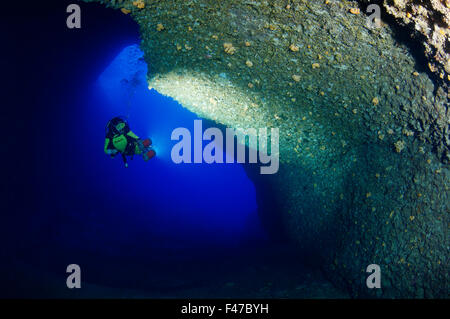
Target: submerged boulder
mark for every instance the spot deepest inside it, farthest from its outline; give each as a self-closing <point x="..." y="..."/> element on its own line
<point x="364" y="134"/>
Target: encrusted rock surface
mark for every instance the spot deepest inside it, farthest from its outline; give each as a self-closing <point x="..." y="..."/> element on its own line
<point x="429" y="22"/>
<point x="364" y="135"/>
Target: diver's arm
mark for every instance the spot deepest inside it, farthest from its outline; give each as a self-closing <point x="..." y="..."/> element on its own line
<point x="132" y="135"/>
<point x="107" y="140"/>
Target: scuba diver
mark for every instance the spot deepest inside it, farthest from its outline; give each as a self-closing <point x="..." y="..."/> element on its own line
<point x="120" y="139"/>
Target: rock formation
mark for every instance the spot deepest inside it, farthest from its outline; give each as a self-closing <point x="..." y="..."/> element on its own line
<point x="364" y="133"/>
<point x="428" y="22"/>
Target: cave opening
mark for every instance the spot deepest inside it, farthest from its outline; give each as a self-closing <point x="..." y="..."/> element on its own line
<point x="79" y="211"/>
<point x="363" y="178"/>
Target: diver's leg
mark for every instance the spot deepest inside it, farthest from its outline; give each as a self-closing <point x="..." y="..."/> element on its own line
<point x="138" y="149"/>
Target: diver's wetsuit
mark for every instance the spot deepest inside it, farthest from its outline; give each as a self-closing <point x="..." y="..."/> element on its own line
<point x="124" y="142"/>
<point x="120" y="139"/>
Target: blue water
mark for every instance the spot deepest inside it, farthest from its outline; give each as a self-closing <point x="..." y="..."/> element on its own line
<point x="157" y="227"/>
<point x="150" y="206"/>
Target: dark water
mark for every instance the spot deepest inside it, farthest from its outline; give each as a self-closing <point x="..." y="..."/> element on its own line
<point x="156" y="229"/>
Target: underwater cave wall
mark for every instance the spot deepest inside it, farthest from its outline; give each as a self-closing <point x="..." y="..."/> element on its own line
<point x="364" y="145"/>
<point x="427" y="22"/>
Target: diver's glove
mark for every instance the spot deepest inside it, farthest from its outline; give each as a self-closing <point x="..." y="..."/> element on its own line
<point x="111" y="152"/>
